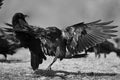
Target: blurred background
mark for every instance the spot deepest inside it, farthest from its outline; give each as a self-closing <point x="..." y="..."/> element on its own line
<point x="61" y="13"/>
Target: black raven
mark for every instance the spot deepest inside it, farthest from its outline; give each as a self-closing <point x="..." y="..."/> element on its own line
<point x="27" y="40"/>
<point x="76" y="38"/>
<point x="59" y="43"/>
<point x="8" y="44"/>
<point x="105" y="48"/>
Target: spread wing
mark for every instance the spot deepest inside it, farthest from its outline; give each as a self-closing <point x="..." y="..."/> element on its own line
<point x="84" y="35"/>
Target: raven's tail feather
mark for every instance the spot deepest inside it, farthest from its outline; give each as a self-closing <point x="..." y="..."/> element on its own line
<point x="35" y="61"/>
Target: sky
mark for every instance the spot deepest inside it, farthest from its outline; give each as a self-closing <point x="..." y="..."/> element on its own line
<point x="61" y="13"/>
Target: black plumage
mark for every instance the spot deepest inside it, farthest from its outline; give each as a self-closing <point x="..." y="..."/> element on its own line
<point x="105" y="48"/>
<point x="8" y="44"/>
<point x="59" y="43"/>
<point x="27" y="40"/>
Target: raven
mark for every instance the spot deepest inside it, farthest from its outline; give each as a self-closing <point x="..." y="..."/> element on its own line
<point x="27" y="40"/>
<point x="53" y="41"/>
<point x="105" y="47"/>
<point x="76" y="38"/>
<point x="8" y="44"/>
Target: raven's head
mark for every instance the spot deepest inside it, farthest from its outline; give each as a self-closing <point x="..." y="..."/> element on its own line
<point x="17" y="17"/>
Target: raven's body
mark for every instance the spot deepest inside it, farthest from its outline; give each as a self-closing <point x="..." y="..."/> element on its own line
<point x="34" y="46"/>
<point x="28" y="41"/>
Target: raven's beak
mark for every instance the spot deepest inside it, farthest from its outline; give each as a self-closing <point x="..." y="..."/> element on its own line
<point x="26" y="16"/>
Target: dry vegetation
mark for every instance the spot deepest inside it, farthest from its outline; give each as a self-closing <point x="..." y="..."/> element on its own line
<point x="18" y="68"/>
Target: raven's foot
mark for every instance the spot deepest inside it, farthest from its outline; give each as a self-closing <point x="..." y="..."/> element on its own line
<point x="49" y="68"/>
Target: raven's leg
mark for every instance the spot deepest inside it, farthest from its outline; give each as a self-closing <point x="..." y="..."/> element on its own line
<point x="49" y="67"/>
<point x="96" y="51"/>
<point x="85" y="51"/>
<point x="99" y="55"/>
<point x="105" y="55"/>
<point x="5" y="55"/>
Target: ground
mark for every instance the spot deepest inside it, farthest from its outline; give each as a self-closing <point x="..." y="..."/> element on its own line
<point x="18" y="68"/>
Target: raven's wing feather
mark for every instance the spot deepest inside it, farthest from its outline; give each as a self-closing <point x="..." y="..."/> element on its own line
<point x="85" y="35"/>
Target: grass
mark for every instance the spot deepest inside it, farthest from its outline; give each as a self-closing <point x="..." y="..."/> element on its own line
<point x="90" y="68"/>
